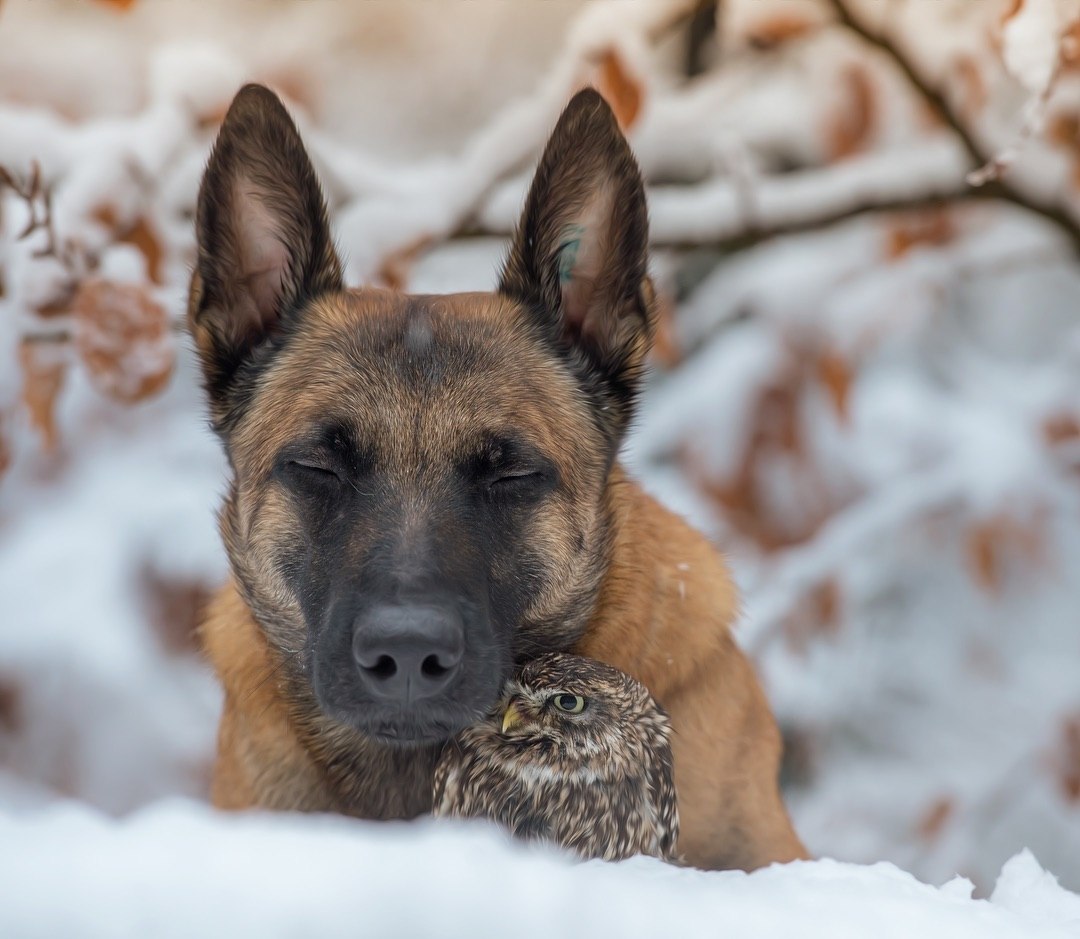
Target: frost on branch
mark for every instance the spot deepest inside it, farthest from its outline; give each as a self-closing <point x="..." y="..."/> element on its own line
<point x="70" y="312"/>
<point x="1031" y="44"/>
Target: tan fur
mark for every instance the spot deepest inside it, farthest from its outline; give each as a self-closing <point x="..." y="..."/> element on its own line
<point x="664" y="616"/>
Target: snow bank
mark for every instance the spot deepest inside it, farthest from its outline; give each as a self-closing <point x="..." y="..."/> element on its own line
<point x="179" y="870"/>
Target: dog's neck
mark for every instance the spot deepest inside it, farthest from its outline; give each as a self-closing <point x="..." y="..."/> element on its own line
<point x="632" y="627"/>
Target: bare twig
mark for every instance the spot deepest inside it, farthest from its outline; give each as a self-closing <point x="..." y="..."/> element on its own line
<point x="757" y="234"/>
<point x="38" y="198"/>
<point x="699" y="33"/>
<point x="995" y="188"/>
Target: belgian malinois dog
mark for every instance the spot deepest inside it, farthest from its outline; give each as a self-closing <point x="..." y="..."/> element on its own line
<point x="425" y="491"/>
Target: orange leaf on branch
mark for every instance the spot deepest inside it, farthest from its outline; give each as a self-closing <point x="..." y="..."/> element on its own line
<point x="835" y="373"/>
<point x="1063" y="130"/>
<point x="1061" y="429"/>
<point x="622" y="89"/>
<point x="5" y="448"/>
<point x="852" y="126"/>
<point x="935" y="818"/>
<point x="932" y="227"/>
<point x="973" y="95"/>
<point x="139" y="234"/>
<point x="122" y="337"/>
<point x="775" y="445"/>
<point x="44" y="368"/>
<point x="393" y="271"/>
<point x="1070" y="46"/>
<point x="1069" y="760"/>
<point x="815" y="616"/>
<point x="774" y="31"/>
<point x="992" y="543"/>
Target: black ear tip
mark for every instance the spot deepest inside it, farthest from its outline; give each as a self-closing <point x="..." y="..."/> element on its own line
<point x="254" y="101"/>
<point x="588" y="109"/>
<point x="588" y="101"/>
<point x="586" y="97"/>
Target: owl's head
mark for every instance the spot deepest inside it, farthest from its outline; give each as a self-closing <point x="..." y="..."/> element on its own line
<point x="582" y="708"/>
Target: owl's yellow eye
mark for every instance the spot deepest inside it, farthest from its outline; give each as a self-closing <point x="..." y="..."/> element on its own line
<point x="571" y="703"/>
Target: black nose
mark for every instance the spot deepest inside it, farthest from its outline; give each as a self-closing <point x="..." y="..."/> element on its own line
<point x="407" y="652"/>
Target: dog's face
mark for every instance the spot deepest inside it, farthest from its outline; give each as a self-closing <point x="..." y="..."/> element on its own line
<point x="419" y="493"/>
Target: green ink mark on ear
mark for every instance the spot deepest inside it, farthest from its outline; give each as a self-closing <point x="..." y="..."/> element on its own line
<point x="568" y="252"/>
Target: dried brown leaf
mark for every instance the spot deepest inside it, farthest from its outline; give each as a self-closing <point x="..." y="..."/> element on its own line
<point x="984" y="555"/>
<point x="816" y="616"/>
<point x="59" y="305"/>
<point x="139" y="234"/>
<point x="395" y="268"/>
<point x="782" y="27"/>
<point x="106" y="215"/>
<point x="10" y="700"/>
<point x="142" y="236"/>
<point x="1070" y="46"/>
<point x="1011" y="8"/>
<point x="5" y="447"/>
<point x="835" y="373"/>
<point x="1069" y="759"/>
<point x="935" y="817"/>
<point x="972" y="95"/>
<point x="852" y="126"/>
<point x="930" y="227"/>
<point x="44" y="368"/>
<point x="622" y="89"/>
<point x="992" y="542"/>
<point x="122" y="336"/>
<point x="774" y="445"/>
<point x="1061" y="428"/>
<point x="1063" y="130"/>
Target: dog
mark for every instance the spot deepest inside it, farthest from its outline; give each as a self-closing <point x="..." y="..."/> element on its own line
<point x="425" y="491"/>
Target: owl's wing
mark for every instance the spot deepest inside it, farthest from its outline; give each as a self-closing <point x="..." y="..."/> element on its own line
<point x="660" y="774"/>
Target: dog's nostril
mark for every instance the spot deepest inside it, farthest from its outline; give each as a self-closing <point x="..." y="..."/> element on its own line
<point x="431" y="667"/>
<point x="384" y="667"/>
<point x="406" y="652"/>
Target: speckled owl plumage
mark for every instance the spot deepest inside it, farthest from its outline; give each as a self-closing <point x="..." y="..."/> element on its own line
<point x="599" y="782"/>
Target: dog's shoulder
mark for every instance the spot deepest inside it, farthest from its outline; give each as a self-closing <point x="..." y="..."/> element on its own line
<point x="668" y="601"/>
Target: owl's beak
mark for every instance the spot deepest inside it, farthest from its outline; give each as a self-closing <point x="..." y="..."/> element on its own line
<point x="511" y="717"/>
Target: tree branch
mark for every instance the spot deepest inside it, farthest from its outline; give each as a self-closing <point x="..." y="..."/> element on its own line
<point x="978" y="155"/>
<point x="757" y="234"/>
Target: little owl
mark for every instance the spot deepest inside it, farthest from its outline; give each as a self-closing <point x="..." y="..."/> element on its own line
<point x="578" y="754"/>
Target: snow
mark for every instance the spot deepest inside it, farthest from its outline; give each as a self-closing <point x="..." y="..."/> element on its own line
<point x="914" y="623"/>
<point x="281" y="876"/>
<point x="1030" y="40"/>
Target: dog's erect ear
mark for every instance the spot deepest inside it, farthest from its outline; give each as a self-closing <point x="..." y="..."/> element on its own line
<point x="264" y="243"/>
<point x="579" y="256"/>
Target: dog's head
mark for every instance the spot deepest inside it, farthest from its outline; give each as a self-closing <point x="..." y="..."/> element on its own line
<point x="419" y="493"/>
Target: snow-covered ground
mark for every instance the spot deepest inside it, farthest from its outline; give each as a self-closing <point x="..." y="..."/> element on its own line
<point x="877" y="419"/>
<point x="178" y="870"/>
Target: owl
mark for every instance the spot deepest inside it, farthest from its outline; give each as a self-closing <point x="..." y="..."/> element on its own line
<point x="577" y="753"/>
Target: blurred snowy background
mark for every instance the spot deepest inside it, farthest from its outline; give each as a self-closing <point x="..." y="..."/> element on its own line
<point x="867" y="385"/>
